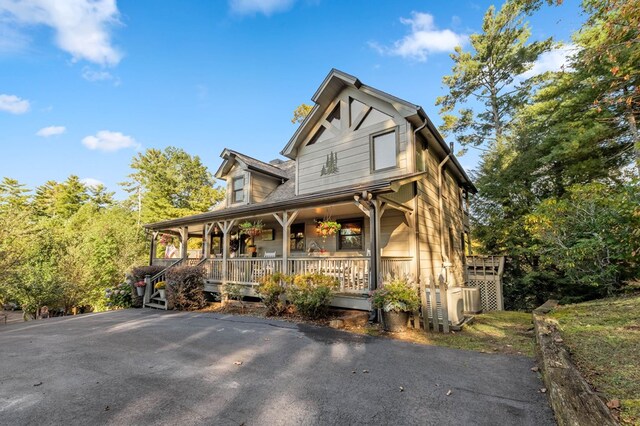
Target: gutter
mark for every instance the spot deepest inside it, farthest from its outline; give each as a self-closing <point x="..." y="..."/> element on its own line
<point x="441" y="207"/>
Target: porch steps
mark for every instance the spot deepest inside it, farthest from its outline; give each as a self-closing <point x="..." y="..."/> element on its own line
<point x="156" y="302"/>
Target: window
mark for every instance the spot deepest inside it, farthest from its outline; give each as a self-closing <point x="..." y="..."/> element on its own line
<point x="350" y="235"/>
<point x="238" y="190"/>
<point x="296" y="237"/>
<point x="384" y="149"/>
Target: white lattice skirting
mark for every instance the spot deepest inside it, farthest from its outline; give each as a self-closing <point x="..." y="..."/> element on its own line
<point x="490" y="292"/>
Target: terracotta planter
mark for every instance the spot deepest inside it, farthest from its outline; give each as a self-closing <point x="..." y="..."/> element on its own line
<point x="140" y="291"/>
<point x="395" y="321"/>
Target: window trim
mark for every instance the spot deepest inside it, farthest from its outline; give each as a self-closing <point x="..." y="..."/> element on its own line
<point x="233" y="191"/>
<point x="351" y="220"/>
<point x="372" y="136"/>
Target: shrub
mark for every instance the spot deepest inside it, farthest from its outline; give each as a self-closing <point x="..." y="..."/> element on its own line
<point x="270" y="290"/>
<point x="119" y="296"/>
<point x="138" y="273"/>
<point x="185" y="290"/>
<point x="311" y="294"/>
<point x="398" y="295"/>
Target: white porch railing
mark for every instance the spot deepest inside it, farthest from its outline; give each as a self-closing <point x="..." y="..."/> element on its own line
<point x="351" y="272"/>
<point x="163" y="262"/>
<point x="395" y="266"/>
<point x="251" y="270"/>
<point x="213" y="269"/>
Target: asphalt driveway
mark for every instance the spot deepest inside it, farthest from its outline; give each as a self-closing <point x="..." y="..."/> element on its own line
<point x="156" y="367"/>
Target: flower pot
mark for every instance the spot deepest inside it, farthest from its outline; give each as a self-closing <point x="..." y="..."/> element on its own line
<point x="140" y="291"/>
<point x="395" y="321"/>
<point x="251" y="249"/>
<point x="163" y="293"/>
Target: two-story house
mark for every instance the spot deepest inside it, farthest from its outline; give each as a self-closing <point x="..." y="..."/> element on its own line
<point x="363" y="158"/>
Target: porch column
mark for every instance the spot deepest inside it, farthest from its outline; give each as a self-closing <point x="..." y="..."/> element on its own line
<point x="225" y="227"/>
<point x="152" y="253"/>
<point x="184" y="237"/>
<point x="374" y="221"/>
<point x="206" y="243"/>
<point x="285" y="221"/>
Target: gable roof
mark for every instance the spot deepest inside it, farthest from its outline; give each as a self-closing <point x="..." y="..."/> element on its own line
<point x="230" y="157"/>
<point x="331" y="87"/>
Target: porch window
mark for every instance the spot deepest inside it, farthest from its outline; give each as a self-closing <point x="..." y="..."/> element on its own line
<point x="238" y="189"/>
<point x="296" y="238"/>
<point x="384" y="150"/>
<point x="350" y="235"/>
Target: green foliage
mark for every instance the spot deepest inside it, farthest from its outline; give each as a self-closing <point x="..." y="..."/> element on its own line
<point x="487" y="75"/>
<point x="119" y="296"/>
<point x="589" y="235"/>
<point x="185" y="289"/>
<point x="271" y="289"/>
<point x="169" y="184"/>
<point x="398" y="295"/>
<point x="311" y="294"/>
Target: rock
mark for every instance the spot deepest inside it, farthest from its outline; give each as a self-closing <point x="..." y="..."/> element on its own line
<point x="336" y="323"/>
<point x="614" y="404"/>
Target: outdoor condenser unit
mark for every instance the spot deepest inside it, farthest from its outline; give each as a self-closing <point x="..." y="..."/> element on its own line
<point x="454" y="302"/>
<point x="471" y="297"/>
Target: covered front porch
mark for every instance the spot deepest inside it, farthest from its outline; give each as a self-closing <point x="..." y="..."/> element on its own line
<point x="291" y="242"/>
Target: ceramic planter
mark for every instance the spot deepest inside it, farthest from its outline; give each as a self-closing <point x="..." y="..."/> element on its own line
<point x="140" y="291"/>
<point x="395" y="321"/>
<point x="163" y="293"/>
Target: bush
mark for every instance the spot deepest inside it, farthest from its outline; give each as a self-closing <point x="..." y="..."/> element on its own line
<point x="397" y="295"/>
<point x="138" y="273"/>
<point x="185" y="287"/>
<point x="119" y="296"/>
<point x="311" y="294"/>
<point x="270" y="290"/>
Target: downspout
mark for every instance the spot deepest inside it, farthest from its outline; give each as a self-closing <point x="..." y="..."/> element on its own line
<point x="416" y="220"/>
<point x="441" y="204"/>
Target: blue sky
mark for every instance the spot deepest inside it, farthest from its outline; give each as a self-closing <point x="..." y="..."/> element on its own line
<point x="86" y="84"/>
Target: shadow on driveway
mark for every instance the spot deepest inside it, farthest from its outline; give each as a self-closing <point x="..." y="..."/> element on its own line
<point x="156" y="367"/>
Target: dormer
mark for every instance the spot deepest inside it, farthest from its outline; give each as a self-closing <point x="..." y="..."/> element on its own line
<point x="248" y="180"/>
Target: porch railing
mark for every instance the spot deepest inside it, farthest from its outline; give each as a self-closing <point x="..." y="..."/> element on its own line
<point x="395" y="266"/>
<point x="251" y="270"/>
<point x="352" y="272"/>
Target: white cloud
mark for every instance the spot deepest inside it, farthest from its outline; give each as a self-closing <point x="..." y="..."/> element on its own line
<point x="46" y="132"/>
<point x="424" y="39"/>
<point x="266" y="7"/>
<point x="91" y="182"/>
<point x="553" y="60"/>
<point x="14" y="104"/>
<point x="108" y="141"/>
<point x="99" y="75"/>
<point x="82" y="27"/>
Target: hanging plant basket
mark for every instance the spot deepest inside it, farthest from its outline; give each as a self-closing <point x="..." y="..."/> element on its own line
<point x="327" y="228"/>
<point x="252" y="229"/>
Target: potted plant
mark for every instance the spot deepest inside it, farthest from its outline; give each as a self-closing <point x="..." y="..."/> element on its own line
<point x="251" y="249"/>
<point x="327" y="228"/>
<point x="161" y="287"/>
<point x="252" y="229"/>
<point x="140" y="285"/>
<point x="396" y="298"/>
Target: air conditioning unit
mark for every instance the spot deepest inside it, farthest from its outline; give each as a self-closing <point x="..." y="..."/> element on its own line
<point x="471" y="297"/>
<point x="455" y="304"/>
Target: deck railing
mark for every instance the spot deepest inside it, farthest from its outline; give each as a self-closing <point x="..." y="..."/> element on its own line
<point x="395" y="266"/>
<point x="251" y="270"/>
<point x="352" y="272"/>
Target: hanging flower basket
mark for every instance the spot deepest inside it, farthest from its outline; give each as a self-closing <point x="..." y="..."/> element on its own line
<point x="252" y="229"/>
<point x="326" y="228"/>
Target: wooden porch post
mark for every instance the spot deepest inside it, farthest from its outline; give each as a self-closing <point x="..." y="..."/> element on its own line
<point x="152" y="253"/>
<point x="374" y="220"/>
<point x="285" y="221"/>
<point x="225" y="227"/>
<point x="184" y="237"/>
<point x="206" y="243"/>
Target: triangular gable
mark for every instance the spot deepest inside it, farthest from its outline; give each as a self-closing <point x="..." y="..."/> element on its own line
<point x="331" y="117"/>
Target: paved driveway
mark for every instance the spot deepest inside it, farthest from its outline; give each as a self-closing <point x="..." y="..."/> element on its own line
<point x="153" y="367"/>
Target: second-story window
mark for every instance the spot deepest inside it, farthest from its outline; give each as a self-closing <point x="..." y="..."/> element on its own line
<point x="384" y="150"/>
<point x="238" y="190"/>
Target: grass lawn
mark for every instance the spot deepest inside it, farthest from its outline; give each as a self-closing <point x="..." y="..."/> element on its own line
<point x="604" y="339"/>
<point x="493" y="332"/>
